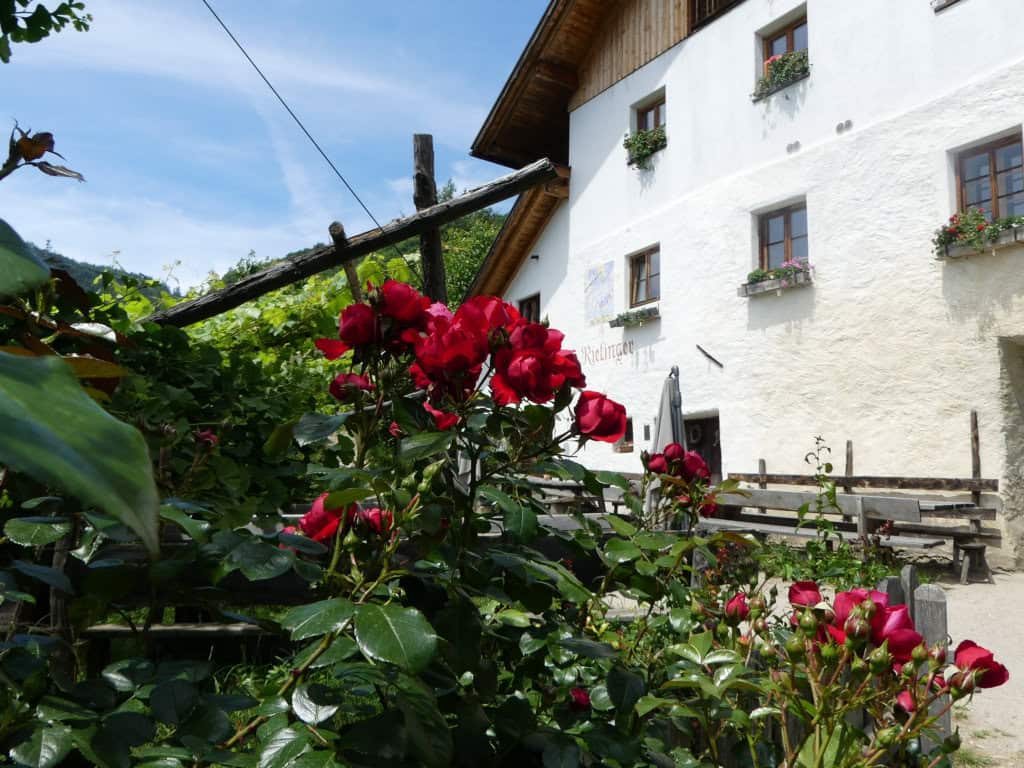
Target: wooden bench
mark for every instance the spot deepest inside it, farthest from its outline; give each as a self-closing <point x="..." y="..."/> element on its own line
<point x="903" y="522"/>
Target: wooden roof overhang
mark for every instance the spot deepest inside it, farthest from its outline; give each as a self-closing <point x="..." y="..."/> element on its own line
<point x="524" y="224"/>
<point x="530" y="119"/>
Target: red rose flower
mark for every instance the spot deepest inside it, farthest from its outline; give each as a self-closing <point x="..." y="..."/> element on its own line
<point x="332" y="348"/>
<point x="379" y="521"/>
<point x="357" y="326"/>
<point x="693" y="467"/>
<point x="579" y="700"/>
<point x="320" y="523"/>
<point x="971" y="656"/>
<point x="402" y="302"/>
<point x="600" y="418"/>
<point x="806" y="593"/>
<point x="346" y="385"/>
<point x="674" y="452"/>
<point x="207" y="437"/>
<point x="656" y="463"/>
<point x="981" y="227"/>
<point x="442" y="420"/>
<point x="737" y="610"/>
<point x="847" y="601"/>
<point x="394" y="429"/>
<point x="708" y="507"/>
<point x="905" y="701"/>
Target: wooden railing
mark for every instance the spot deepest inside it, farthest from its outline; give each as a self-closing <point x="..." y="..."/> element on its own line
<point x="705" y="11"/>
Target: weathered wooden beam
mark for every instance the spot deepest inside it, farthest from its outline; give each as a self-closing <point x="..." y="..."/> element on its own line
<point x="875" y="481"/>
<point x="424" y="195"/>
<point x="556" y="74"/>
<point x="300" y="267"/>
<point x="975" y="456"/>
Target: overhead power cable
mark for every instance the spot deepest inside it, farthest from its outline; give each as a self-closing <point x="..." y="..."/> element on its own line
<point x="309" y="136"/>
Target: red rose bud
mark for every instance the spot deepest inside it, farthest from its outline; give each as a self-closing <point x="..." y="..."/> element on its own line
<point x="394" y="429"/>
<point x="579" y="700"/>
<point x="346" y="385"/>
<point x="402" y="302"/>
<point x="737" y="610"/>
<point x="969" y="656"/>
<point x="806" y="593"/>
<point x="674" y="452"/>
<point x="600" y="418"/>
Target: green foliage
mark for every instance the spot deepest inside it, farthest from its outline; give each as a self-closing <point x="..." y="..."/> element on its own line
<point x="87" y="275"/>
<point x="641" y="145"/>
<point x="55" y="433"/>
<point x="973" y="229"/>
<point x="782" y="70"/>
<point x="19" y="24"/>
<point x="635" y="317"/>
<point x="22" y="270"/>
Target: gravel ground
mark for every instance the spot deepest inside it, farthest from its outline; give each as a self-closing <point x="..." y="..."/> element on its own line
<point x="992" y="725"/>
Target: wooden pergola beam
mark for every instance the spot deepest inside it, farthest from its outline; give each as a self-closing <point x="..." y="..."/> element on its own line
<point x="300" y="267"/>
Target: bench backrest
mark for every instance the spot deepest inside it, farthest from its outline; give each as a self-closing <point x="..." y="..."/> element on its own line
<point x="852" y="505"/>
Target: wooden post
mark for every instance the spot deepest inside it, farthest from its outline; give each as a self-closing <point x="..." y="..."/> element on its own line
<point x="975" y="457"/>
<point x="909" y="584"/>
<point x="892" y="587"/>
<point x="424" y="195"/>
<point x="762" y="470"/>
<point x="340" y="240"/>
<point x="849" y="473"/>
<point x="931" y="620"/>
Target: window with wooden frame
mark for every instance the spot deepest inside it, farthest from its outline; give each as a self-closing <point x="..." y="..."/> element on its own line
<point x="783" y="236"/>
<point x="792" y="37"/>
<point x="644" y="277"/>
<point x="991" y="177"/>
<point x="529" y="308"/>
<point x="651" y="116"/>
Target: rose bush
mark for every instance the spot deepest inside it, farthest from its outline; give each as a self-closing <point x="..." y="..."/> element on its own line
<point x="429" y="616"/>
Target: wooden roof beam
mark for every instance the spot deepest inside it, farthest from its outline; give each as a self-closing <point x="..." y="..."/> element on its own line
<point x="298" y="268"/>
<point x="556" y="74"/>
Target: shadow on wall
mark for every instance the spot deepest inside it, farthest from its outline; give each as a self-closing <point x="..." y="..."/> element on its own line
<point x="978" y="288"/>
<point x="767" y="310"/>
<point x="782" y="104"/>
<point x="1011" y="352"/>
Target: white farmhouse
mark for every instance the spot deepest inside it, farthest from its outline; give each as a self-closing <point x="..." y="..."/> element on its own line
<point x="839" y="160"/>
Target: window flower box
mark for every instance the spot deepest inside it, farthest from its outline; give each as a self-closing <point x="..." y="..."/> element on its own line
<point x="970" y="233"/>
<point x="783" y="71"/>
<point x="759" y="281"/>
<point x="635" y="317"/>
<point x="643" y="145"/>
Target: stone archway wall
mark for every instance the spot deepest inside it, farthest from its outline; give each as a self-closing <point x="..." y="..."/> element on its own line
<point x="1011" y="351"/>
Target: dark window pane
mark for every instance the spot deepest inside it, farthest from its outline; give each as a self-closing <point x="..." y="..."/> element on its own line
<point x="1010" y="181"/>
<point x="778" y="45"/>
<point x="776" y="255"/>
<point x="776" y="229"/>
<point x="654" y="287"/>
<point x="1013" y="205"/>
<point x="800" y="38"/>
<point x="977" y="192"/>
<point x="798" y="223"/>
<point x="798" y="249"/>
<point x="655" y="262"/>
<point x="975" y="166"/>
<point x="645" y="120"/>
<point x="1008" y="157"/>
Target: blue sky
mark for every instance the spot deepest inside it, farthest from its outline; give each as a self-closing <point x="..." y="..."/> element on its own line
<point x="188" y="157"/>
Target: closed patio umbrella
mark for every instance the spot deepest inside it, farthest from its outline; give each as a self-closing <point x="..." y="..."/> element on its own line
<point x="668" y="427"/>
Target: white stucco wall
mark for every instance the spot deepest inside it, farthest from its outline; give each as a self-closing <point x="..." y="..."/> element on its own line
<point x="889" y="348"/>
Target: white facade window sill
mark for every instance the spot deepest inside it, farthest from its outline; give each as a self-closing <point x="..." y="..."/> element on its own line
<point x="777" y="286"/>
<point x="1008" y="238"/>
<point x="780" y="87"/>
<point x="636" y="317"/>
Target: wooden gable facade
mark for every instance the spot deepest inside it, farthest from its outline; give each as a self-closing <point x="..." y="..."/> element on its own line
<point x="579" y="49"/>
